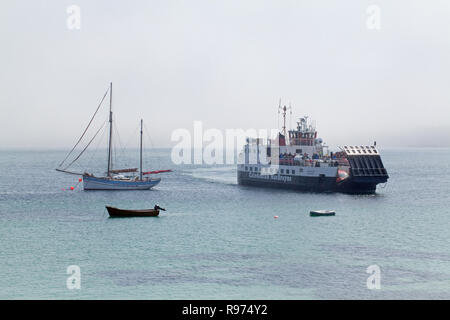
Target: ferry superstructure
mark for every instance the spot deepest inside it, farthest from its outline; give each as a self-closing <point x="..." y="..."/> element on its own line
<point x="299" y="160"/>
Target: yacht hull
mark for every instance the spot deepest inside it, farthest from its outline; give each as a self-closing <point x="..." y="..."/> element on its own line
<point x="99" y="183"/>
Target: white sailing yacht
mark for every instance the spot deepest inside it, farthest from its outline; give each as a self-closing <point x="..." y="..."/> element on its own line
<point x="114" y="179"/>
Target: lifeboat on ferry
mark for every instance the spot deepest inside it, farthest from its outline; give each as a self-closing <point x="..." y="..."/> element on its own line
<point x="341" y="175"/>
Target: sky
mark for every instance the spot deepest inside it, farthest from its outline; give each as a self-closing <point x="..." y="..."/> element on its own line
<point x="226" y="63"/>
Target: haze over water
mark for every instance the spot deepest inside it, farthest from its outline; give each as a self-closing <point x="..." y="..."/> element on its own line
<point x="226" y="63"/>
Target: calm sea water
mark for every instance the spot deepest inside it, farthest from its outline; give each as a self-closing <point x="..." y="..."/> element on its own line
<point x="218" y="240"/>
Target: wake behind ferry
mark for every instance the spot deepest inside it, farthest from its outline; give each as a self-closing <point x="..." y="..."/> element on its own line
<point x="300" y="160"/>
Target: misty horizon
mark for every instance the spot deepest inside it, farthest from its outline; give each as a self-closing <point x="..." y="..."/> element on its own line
<point x="227" y="64"/>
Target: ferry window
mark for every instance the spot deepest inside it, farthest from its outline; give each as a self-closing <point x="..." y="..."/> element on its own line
<point x="282" y="170"/>
<point x="293" y="171"/>
<point x="246" y="168"/>
<point x="287" y="171"/>
<point x="256" y="168"/>
<point x="251" y="168"/>
<point x="299" y="151"/>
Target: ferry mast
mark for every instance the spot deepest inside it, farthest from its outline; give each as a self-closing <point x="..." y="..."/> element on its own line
<point x="284" y="109"/>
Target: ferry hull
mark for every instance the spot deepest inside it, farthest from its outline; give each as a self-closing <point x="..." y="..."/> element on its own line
<point x="310" y="184"/>
<point x="96" y="183"/>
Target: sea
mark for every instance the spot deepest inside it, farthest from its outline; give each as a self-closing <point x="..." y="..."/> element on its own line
<point x="219" y="240"/>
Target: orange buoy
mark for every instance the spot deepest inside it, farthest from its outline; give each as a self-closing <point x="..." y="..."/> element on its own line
<point x="71" y="188"/>
<point x="276" y="217"/>
<point x="79" y="180"/>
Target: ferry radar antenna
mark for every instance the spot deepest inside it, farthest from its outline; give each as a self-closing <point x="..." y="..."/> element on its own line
<point x="284" y="109"/>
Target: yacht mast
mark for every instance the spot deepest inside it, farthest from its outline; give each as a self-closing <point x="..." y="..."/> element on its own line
<point x="140" y="165"/>
<point x="110" y="130"/>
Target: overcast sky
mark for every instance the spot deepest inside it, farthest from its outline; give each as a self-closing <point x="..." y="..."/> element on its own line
<point x="226" y="62"/>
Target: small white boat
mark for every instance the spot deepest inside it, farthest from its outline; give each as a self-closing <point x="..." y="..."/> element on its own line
<point x="321" y="213"/>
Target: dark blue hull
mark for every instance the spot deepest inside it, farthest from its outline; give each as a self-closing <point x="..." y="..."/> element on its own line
<point x="313" y="184"/>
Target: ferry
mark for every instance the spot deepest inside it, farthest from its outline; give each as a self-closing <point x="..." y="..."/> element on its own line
<point x="299" y="160"/>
